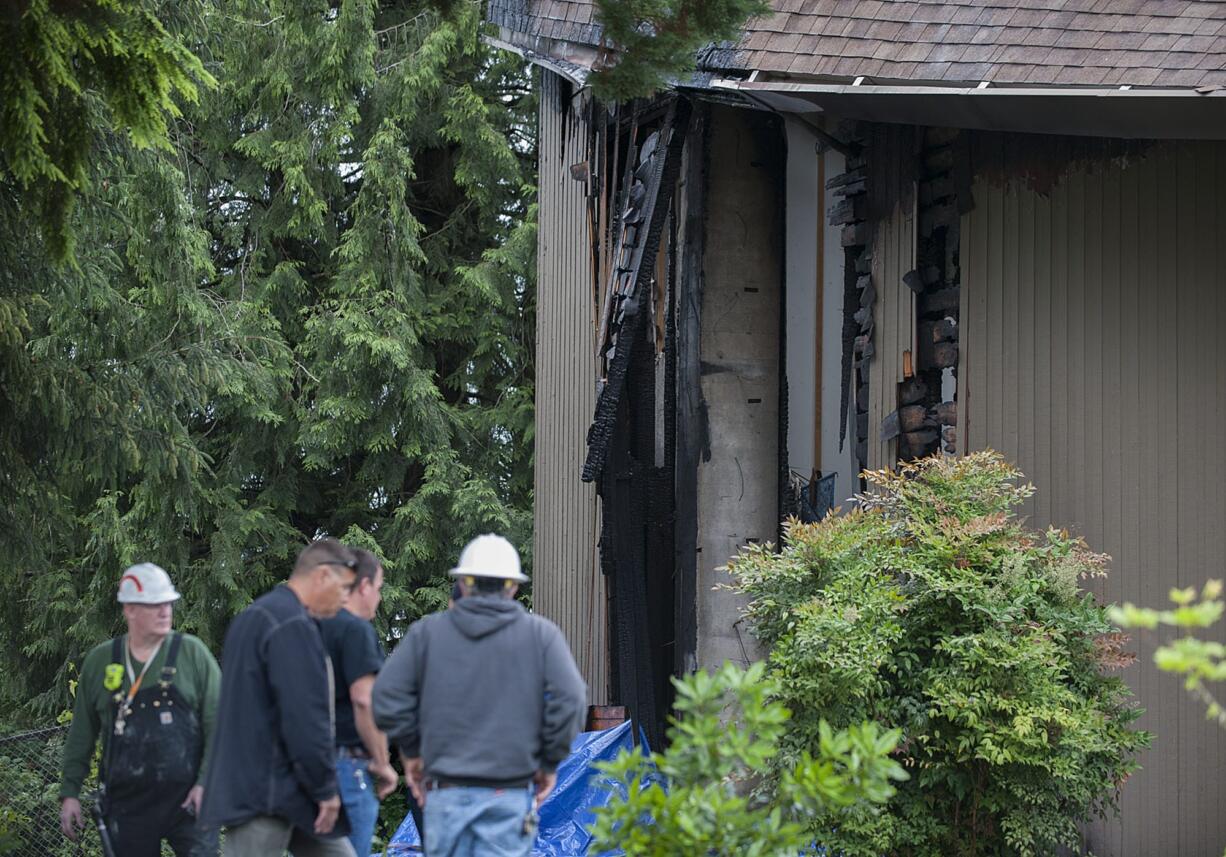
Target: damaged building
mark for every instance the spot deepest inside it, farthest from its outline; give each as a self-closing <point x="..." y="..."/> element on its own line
<point x="867" y="232"/>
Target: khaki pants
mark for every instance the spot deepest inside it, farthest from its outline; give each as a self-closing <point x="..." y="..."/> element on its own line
<point x="268" y="836"/>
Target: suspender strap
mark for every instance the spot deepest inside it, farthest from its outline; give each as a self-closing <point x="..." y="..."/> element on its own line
<point x="108" y="737"/>
<point x="168" y="668"/>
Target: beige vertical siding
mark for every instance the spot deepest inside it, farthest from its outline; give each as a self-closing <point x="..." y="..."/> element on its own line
<point x="568" y="586"/>
<point x="1093" y="338"/>
<point x="893" y="248"/>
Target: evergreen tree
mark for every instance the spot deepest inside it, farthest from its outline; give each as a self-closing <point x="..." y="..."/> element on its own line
<point x="650" y="43"/>
<point x="312" y="315"/>
<point x="66" y="69"/>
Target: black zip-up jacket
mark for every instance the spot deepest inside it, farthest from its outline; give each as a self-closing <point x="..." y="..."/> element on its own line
<point x="273" y="748"/>
<point x="486" y="693"/>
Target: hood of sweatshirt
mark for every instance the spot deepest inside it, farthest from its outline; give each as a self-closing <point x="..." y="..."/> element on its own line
<point x="477" y="616"/>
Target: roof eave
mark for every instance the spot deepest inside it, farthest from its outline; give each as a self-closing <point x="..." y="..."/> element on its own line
<point x="1124" y="113"/>
<point x="572" y="60"/>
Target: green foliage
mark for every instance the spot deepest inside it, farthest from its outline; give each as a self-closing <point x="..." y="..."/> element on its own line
<point x="714" y="755"/>
<point x="68" y="74"/>
<point x="313" y="314"/>
<point x="1198" y="661"/>
<point x="650" y="42"/>
<point x="930" y="607"/>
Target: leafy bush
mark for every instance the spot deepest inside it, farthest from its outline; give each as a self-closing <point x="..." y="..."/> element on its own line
<point x="930" y="607"/>
<point x="1198" y="661"/>
<point x="707" y="806"/>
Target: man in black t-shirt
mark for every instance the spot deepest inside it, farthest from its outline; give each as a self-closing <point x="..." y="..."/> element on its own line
<point x="363" y="771"/>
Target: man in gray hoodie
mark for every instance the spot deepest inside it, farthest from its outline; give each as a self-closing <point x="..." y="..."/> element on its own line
<point x="483" y="701"/>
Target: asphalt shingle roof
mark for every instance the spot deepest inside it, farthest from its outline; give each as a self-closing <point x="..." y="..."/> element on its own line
<point x="1141" y="43"/>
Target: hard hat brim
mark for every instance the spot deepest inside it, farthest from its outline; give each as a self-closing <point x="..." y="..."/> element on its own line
<point x="141" y="599"/>
<point x="520" y="577"/>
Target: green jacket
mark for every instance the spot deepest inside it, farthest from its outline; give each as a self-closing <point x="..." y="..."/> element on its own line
<point x="198" y="678"/>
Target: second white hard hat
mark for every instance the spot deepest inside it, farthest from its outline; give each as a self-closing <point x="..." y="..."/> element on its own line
<point x="489" y="556"/>
<point x="146" y="583"/>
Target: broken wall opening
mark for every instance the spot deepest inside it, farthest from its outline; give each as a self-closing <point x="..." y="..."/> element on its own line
<point x="822" y="472"/>
<point x="902" y="196"/>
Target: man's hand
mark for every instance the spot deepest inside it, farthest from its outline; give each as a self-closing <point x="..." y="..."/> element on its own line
<point x="328" y="810"/>
<point x="415" y="777"/>
<point x="545" y="781"/>
<point x="385" y="778"/>
<point x="192" y="802"/>
<point x="71" y="819"/>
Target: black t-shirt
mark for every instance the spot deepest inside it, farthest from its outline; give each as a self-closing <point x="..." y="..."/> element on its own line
<point x="354" y="648"/>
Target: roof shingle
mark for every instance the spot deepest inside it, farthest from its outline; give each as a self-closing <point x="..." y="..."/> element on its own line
<point x="1160" y="43"/>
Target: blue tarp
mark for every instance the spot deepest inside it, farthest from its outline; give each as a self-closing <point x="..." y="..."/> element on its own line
<point x="567" y="812"/>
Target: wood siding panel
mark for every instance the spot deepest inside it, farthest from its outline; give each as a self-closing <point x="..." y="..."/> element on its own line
<point x="568" y="586"/>
<point x="1092" y="354"/>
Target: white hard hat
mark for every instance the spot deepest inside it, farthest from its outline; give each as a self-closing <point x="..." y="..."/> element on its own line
<point x="146" y="583"/>
<point x="489" y="556"/>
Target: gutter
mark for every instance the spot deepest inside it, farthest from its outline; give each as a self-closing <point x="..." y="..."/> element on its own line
<point x="574" y="72"/>
<point x="978" y="91"/>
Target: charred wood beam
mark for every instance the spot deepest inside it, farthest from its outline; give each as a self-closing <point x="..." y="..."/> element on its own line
<point x="850" y="333"/>
<point x="653" y="205"/>
<point x="625" y="236"/>
<point x="691" y="438"/>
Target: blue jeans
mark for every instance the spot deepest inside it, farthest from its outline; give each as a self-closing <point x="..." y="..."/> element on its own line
<point x="357" y="790"/>
<point x="477" y="822"/>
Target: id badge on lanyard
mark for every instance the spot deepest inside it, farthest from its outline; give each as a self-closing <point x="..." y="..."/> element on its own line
<point x="125" y="701"/>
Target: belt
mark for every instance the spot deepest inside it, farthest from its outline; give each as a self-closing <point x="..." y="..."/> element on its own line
<point x="433" y="784"/>
<point x="353" y="752"/>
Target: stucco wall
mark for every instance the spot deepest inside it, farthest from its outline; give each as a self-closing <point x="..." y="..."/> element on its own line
<point x="738" y="485"/>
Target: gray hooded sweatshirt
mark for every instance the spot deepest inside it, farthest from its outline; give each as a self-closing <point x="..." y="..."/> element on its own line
<point x="485" y="692"/>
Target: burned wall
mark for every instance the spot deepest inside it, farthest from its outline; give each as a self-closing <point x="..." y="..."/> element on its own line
<point x="634" y="164"/>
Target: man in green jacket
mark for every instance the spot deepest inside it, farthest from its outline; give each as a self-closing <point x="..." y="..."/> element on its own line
<point x="152" y="696"/>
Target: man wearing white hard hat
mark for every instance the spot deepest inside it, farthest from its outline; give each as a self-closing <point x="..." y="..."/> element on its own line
<point x="152" y="696"/>
<point x="483" y="701"/>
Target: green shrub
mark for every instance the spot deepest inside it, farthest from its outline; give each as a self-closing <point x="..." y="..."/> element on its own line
<point x="931" y="608"/>
<point x="714" y="756"/>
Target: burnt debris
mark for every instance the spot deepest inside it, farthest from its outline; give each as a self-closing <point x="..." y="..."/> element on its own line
<point x="646" y="198"/>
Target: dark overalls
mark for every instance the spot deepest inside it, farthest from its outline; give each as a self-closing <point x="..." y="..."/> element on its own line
<point x="152" y="758"/>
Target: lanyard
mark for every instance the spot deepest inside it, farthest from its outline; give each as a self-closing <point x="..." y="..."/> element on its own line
<point x="133" y="678"/>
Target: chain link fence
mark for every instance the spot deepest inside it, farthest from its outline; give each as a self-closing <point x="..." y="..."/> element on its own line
<point x="29" y="798"/>
<point x="30" y="767"/>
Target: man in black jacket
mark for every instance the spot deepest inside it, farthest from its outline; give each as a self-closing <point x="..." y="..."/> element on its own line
<point x="483" y="701"/>
<point x="272" y="779"/>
